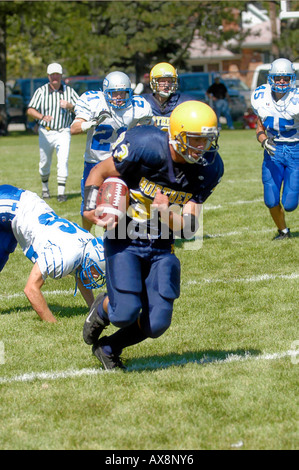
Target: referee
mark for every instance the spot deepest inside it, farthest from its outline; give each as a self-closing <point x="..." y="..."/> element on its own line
<point x="52" y="105"/>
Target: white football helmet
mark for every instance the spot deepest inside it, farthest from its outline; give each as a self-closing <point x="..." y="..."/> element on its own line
<point x="282" y="68"/>
<point x="117" y="81"/>
<point x="93" y="257"/>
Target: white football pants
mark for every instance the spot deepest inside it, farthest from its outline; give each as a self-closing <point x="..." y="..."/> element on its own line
<point x="50" y="141"/>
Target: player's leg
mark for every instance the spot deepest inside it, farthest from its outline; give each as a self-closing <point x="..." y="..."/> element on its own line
<point x="46" y="149"/>
<point x="87" y="168"/>
<point x="272" y="177"/>
<point x="62" y="144"/>
<point x="290" y="195"/>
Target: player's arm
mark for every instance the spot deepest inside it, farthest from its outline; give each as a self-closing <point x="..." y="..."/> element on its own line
<point x="184" y="224"/>
<point x="95" y="179"/>
<point x="80" y="125"/>
<point x="87" y="294"/>
<point x="34" y="295"/>
<point x="260" y="131"/>
<point x="261" y="135"/>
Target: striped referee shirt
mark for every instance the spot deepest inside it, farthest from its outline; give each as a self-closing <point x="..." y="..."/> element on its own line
<point x="47" y="102"/>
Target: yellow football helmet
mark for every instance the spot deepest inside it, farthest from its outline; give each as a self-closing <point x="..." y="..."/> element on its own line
<point x="194" y="119"/>
<point x="160" y="71"/>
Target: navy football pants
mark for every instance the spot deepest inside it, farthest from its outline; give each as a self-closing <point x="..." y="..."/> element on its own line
<point x="142" y="282"/>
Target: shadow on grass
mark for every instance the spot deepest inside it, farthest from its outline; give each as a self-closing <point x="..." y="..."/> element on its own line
<point x="192" y="357"/>
<point x="57" y="310"/>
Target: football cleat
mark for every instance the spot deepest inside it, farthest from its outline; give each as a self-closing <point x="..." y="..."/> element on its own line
<point x="283" y="235"/>
<point x="46" y="194"/>
<point x="110" y="362"/>
<point x="61" y="198"/>
<point x="94" y="325"/>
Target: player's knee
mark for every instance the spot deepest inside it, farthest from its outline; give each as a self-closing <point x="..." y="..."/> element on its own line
<point x="291" y="206"/>
<point x="124" y="314"/>
<point x="159" y="324"/>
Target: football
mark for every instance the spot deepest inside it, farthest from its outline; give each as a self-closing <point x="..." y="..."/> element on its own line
<point x="112" y="199"/>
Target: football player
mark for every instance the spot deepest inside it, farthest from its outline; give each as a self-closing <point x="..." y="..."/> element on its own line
<point x="169" y="177"/>
<point x="56" y="246"/>
<point x="104" y="115"/>
<point x="277" y="106"/>
<point x="163" y="100"/>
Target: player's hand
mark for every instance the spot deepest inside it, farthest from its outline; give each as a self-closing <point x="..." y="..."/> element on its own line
<point x="90" y="215"/>
<point x="160" y="202"/>
<point x="269" y="146"/>
<point x="108" y="223"/>
<point x="104" y="114"/>
<point x="86" y="125"/>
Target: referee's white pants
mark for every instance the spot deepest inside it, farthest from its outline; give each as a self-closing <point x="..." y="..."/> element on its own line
<point x="50" y="141"/>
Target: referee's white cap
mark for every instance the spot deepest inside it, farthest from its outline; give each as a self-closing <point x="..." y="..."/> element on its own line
<point x="54" y="68"/>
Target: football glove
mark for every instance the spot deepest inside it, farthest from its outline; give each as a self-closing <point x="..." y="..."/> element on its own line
<point x="86" y="125"/>
<point x="269" y="146"/>
<point x="104" y="114"/>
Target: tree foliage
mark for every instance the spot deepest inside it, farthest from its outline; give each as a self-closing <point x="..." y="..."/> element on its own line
<point x="89" y="37"/>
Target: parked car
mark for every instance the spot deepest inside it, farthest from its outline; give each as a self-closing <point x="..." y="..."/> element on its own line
<point x="18" y="99"/>
<point x="260" y="75"/>
<point x="240" y="86"/>
<point x="81" y="84"/>
<point x="195" y="84"/>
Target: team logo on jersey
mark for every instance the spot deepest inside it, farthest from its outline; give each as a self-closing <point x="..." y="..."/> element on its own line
<point x="149" y="188"/>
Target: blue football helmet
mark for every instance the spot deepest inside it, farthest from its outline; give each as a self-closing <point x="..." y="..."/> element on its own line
<point x="117" y="81"/>
<point x="92" y="272"/>
<point x="282" y="68"/>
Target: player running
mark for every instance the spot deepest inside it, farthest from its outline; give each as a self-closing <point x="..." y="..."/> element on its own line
<point x="104" y="115"/>
<point x="277" y="107"/>
<point x="169" y="177"/>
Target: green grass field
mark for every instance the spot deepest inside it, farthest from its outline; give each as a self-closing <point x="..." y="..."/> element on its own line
<point x="223" y="377"/>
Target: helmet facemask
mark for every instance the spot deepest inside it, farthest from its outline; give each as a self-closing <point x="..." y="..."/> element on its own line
<point x="155" y="85"/>
<point x="116" y="82"/>
<point x="92" y="272"/>
<point x="282" y="68"/>
<point x="182" y="146"/>
<point x="120" y="103"/>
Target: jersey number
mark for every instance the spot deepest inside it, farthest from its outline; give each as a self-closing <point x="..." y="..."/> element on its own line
<point x="283" y="124"/>
<point x="100" y="141"/>
<point x="65" y="225"/>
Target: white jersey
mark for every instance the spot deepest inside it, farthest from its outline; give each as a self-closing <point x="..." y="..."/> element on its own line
<point x="56" y="244"/>
<point x="280" y="118"/>
<point x="100" y="139"/>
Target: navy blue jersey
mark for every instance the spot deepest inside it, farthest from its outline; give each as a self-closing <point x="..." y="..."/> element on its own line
<point x="162" y="112"/>
<point x="142" y="157"/>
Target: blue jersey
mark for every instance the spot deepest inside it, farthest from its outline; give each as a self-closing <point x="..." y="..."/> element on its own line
<point x="161" y="112"/>
<point x="142" y="157"/>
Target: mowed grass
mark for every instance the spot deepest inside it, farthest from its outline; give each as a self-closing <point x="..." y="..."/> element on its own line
<point x="222" y="377"/>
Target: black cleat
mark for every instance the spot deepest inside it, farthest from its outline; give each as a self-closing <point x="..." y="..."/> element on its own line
<point x="62" y="198"/>
<point x="94" y="325"/>
<point x="283" y="235"/>
<point x="113" y="361"/>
